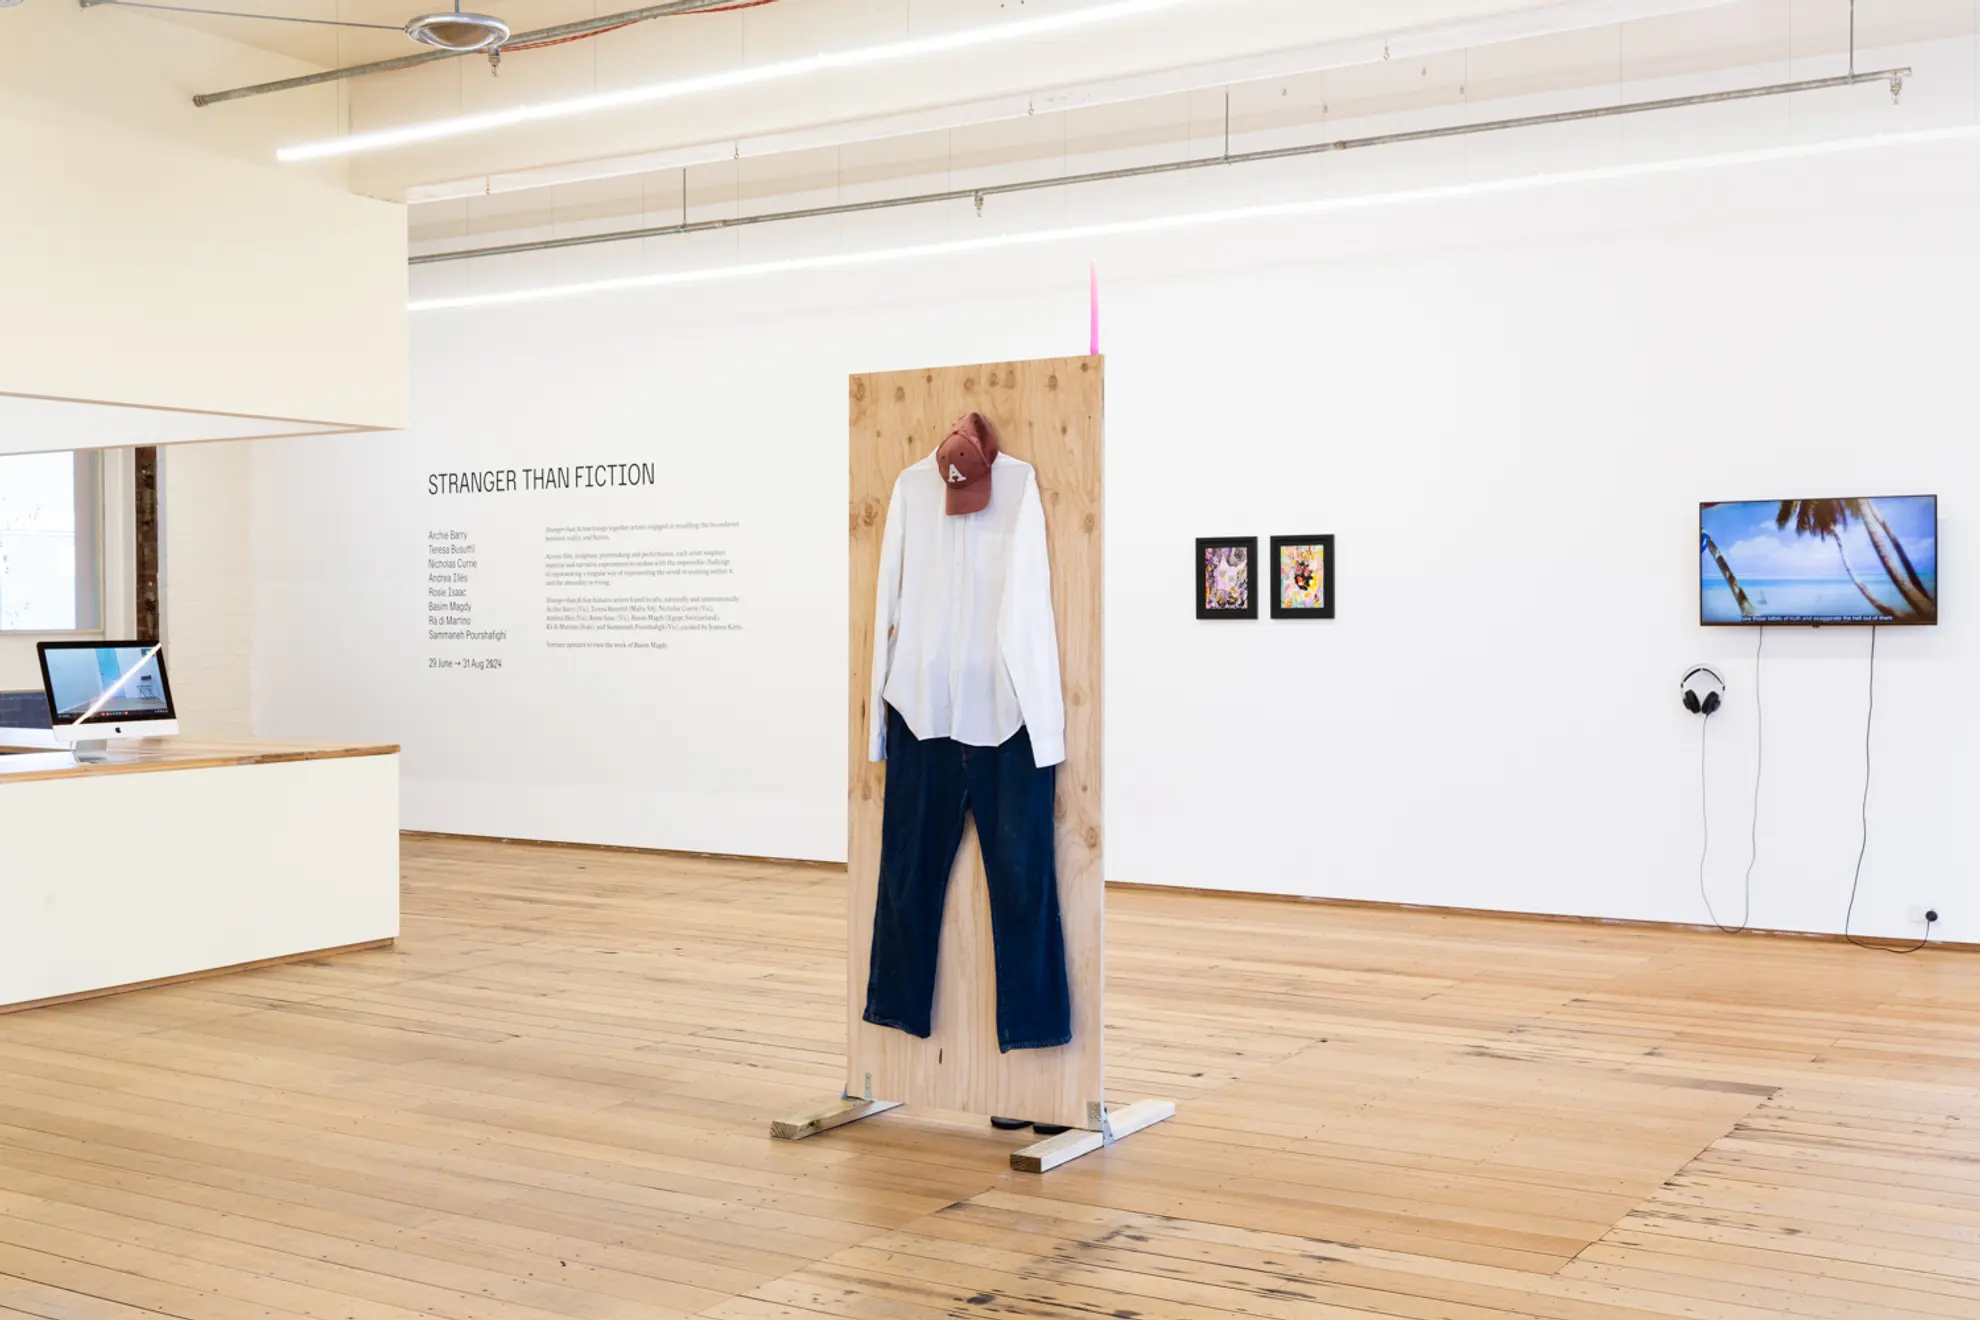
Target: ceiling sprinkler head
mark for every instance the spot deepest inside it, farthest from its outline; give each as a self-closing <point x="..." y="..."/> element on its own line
<point x="456" y="32"/>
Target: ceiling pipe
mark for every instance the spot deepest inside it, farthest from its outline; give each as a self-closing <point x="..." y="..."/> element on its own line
<point x="581" y="27"/>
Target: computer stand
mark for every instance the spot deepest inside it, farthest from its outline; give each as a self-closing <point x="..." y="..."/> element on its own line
<point x="92" y="752"/>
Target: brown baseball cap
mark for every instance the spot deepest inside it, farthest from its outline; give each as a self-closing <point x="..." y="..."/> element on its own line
<point x="964" y="460"/>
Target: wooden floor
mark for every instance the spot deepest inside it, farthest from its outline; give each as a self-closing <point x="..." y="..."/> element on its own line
<point x="551" y="1100"/>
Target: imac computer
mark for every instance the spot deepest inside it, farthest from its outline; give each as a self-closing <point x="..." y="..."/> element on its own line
<point x="98" y="691"/>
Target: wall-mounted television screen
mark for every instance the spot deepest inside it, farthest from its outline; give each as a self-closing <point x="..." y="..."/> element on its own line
<point x="1819" y="561"/>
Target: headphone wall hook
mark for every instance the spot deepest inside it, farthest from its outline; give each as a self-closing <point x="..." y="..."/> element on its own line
<point x="1702" y="689"/>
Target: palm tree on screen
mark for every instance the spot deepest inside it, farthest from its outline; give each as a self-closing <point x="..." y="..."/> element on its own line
<point x="1826" y="520"/>
<point x="1897" y="564"/>
<point x="1829" y="519"/>
<point x="1711" y="547"/>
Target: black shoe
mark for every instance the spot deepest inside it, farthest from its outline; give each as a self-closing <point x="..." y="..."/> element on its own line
<point x="1007" y="1124"/>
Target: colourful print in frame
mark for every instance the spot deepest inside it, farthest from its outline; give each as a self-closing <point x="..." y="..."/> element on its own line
<point x="1304" y="570"/>
<point x="1227" y="577"/>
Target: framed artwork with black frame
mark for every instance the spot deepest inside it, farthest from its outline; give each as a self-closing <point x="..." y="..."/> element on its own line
<point x="1304" y="574"/>
<point x="1226" y="577"/>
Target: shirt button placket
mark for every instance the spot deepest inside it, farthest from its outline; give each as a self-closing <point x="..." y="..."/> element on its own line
<point x="958" y="609"/>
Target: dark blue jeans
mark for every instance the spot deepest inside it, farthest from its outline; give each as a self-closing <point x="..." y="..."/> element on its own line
<point x="931" y="784"/>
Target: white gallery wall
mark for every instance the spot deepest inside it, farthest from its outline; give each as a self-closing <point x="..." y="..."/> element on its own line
<point x="1507" y="407"/>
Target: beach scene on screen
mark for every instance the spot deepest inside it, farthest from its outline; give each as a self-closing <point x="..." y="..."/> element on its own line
<point x="1816" y="561"/>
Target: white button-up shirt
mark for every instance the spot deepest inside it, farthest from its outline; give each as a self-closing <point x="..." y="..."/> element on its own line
<point x="964" y="642"/>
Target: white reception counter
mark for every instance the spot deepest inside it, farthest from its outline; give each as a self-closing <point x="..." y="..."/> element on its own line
<point x="176" y="859"/>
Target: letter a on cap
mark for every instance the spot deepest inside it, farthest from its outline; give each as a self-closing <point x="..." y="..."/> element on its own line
<point x="965" y="458"/>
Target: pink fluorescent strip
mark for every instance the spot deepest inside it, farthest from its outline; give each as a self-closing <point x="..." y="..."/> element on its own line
<point x="1093" y="307"/>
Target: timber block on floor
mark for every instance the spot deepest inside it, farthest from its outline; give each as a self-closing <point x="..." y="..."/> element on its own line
<point x="1049" y="1154"/>
<point x="825" y="1117"/>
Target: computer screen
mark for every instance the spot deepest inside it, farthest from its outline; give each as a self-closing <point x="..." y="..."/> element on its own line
<point x="105" y="682"/>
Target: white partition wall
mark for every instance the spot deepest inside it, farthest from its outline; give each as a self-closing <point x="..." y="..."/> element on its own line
<point x="118" y="879"/>
<point x="168" y="282"/>
<point x="158" y="258"/>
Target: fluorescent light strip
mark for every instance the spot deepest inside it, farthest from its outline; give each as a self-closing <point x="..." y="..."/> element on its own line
<point x="436" y="130"/>
<point x="1157" y="224"/>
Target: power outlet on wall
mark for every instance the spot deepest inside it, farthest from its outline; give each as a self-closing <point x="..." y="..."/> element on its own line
<point x="1920" y="913"/>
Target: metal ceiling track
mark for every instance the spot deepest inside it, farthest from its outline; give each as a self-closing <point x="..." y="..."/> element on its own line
<point x="561" y="31"/>
<point x="1893" y="77"/>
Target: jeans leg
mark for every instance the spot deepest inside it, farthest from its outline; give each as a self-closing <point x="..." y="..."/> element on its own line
<point x="920" y="830"/>
<point x="1012" y="801"/>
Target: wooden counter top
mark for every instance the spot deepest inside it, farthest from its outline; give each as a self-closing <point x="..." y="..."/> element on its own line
<point x="150" y="754"/>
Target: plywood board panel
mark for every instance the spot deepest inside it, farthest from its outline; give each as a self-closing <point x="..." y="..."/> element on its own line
<point x="1048" y="413"/>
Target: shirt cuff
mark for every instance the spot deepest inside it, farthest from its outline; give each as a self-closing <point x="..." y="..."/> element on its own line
<point x="1047" y="751"/>
<point x="876" y="745"/>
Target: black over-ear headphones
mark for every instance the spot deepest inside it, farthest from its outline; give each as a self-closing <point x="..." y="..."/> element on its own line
<point x="1704" y="690"/>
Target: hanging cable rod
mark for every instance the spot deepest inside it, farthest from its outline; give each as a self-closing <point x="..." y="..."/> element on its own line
<point x="1894" y="77"/>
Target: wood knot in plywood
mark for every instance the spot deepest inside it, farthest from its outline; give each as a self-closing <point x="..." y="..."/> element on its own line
<point x="1093" y="836"/>
<point x="1089" y="522"/>
<point x="969" y="384"/>
<point x="869" y="512"/>
<point x="859" y="389"/>
<point x="900" y="394"/>
<point x="1058" y="806"/>
<point x="1052" y="381"/>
